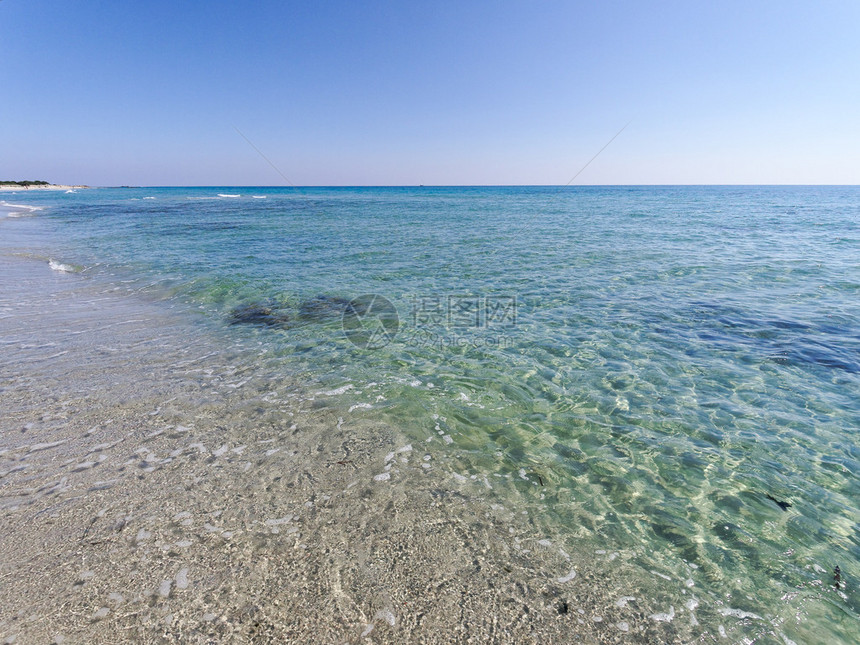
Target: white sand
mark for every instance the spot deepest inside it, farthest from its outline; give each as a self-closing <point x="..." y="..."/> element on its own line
<point x="14" y="189"/>
<point x="309" y="544"/>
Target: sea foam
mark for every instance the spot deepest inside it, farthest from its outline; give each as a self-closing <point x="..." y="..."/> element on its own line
<point x="62" y="268"/>
<point x="18" y="210"/>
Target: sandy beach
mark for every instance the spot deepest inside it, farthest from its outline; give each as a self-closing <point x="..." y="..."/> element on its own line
<point x="6" y="188"/>
<point x="529" y="323"/>
<point x="148" y="495"/>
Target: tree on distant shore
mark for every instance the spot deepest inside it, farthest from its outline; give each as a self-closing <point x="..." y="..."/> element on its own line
<point x="37" y="182"/>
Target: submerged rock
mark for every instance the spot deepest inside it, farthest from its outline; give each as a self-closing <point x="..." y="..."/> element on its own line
<point x="319" y="309"/>
<point x="782" y="504"/>
<point x="324" y="307"/>
<point x="259" y="314"/>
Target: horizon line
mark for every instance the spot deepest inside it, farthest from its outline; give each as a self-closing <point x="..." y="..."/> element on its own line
<point x="560" y="186"/>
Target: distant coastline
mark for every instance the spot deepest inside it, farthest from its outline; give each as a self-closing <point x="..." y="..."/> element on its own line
<point x="15" y="186"/>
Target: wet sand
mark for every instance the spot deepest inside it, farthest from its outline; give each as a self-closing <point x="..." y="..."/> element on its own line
<point x="156" y="485"/>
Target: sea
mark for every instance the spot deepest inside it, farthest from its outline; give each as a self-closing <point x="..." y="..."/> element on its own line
<point x="640" y="399"/>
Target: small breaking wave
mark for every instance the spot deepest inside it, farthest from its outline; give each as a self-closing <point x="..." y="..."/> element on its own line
<point x="18" y="210"/>
<point x="227" y="195"/>
<point x="62" y="268"/>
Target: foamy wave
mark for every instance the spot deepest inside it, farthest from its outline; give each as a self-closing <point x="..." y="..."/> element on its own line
<point x="18" y="210"/>
<point x="258" y="196"/>
<point x="62" y="268"/>
<point x="227" y="195"/>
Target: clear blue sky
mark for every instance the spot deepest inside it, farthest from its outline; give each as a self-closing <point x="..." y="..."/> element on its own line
<point x="339" y="92"/>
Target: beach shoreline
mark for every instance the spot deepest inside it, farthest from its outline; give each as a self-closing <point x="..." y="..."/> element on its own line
<point x="149" y="492"/>
<point x="7" y="188"/>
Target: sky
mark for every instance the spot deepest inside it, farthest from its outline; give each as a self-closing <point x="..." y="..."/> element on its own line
<point x="339" y="92"/>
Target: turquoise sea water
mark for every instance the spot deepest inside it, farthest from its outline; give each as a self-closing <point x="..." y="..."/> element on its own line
<point x="672" y="370"/>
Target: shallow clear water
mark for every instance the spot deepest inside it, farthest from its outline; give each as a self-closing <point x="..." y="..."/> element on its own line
<point x="667" y="372"/>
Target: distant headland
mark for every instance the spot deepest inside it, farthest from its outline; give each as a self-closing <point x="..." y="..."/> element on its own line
<point x="35" y="185"/>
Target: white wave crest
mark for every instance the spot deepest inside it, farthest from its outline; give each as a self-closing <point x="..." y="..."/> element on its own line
<point x="62" y="268"/>
<point x="18" y="210"/>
